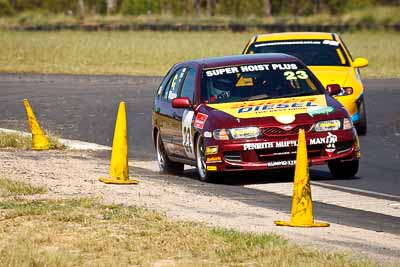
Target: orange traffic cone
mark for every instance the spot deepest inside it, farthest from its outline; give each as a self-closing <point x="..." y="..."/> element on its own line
<point x="119" y="172"/>
<point x="302" y="213"/>
<point x="39" y="140"/>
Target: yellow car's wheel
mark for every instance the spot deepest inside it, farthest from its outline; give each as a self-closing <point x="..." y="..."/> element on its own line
<point x="361" y="126"/>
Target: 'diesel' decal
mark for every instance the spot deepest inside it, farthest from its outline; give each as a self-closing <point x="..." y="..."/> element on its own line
<point x="187" y="139"/>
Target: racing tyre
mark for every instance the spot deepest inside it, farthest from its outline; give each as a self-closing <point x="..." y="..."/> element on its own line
<point x="346" y="169"/>
<point x="361" y="127"/>
<point x="166" y="166"/>
<point x="204" y="175"/>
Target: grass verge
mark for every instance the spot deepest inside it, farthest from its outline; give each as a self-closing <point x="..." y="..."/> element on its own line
<point x="153" y="53"/>
<point x="12" y="188"/>
<point x="19" y="141"/>
<point x="82" y="232"/>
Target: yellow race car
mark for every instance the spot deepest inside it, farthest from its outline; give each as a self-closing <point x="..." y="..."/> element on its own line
<point x="328" y="58"/>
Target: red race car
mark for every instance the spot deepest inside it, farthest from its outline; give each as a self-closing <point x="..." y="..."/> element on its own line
<point x="241" y="113"/>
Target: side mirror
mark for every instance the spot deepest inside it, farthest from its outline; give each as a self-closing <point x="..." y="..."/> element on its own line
<point x="360" y="62"/>
<point x="333" y="89"/>
<point x="181" y="102"/>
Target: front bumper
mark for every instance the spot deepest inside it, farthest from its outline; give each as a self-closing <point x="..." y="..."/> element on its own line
<point x="351" y="103"/>
<point x="278" y="152"/>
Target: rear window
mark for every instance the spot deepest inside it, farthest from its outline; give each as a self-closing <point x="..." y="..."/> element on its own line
<point x="311" y="52"/>
<point x="258" y="81"/>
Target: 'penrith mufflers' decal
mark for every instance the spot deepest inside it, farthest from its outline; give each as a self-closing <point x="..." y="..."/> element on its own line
<point x="271" y="107"/>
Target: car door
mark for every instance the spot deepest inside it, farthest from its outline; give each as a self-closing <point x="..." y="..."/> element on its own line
<point x="168" y="121"/>
<point x="183" y="137"/>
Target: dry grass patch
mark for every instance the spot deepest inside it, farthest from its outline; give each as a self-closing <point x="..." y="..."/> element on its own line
<point x="20" y="141"/>
<point x="153" y="53"/>
<point x="82" y="232"/>
<point x="10" y="187"/>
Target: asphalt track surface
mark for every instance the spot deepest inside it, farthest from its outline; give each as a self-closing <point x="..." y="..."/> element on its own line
<point x="84" y="108"/>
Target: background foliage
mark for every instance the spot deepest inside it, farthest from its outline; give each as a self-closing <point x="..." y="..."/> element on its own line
<point x="237" y="8"/>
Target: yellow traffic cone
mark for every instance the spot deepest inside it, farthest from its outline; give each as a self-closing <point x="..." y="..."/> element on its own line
<point x="39" y="140"/>
<point x="119" y="173"/>
<point x="302" y="213"/>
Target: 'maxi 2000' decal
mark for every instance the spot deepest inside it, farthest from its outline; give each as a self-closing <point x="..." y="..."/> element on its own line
<point x="271" y="107"/>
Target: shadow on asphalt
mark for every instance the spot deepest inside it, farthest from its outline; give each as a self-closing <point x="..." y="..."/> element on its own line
<point x="265" y="177"/>
<point x="275" y="201"/>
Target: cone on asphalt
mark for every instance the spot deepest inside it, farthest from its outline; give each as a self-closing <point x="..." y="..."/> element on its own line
<point x="39" y="139"/>
<point x="302" y="212"/>
<point x="119" y="173"/>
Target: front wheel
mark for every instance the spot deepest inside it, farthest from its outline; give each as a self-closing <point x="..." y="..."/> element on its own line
<point x="346" y="169"/>
<point x="204" y="175"/>
<point x="165" y="164"/>
<point x="361" y="127"/>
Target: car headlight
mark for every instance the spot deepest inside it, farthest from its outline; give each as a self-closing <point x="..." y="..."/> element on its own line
<point x="332" y="125"/>
<point x="236" y="133"/>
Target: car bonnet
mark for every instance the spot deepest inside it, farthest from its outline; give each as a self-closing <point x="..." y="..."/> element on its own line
<point x="282" y="109"/>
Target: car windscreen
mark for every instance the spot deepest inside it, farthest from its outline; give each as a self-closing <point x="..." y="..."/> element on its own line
<point x="311" y="52"/>
<point x="257" y="81"/>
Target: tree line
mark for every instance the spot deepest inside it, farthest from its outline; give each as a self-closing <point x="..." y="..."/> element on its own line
<point x="237" y="8"/>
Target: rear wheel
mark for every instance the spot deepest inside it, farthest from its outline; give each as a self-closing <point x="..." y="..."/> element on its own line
<point x="346" y="169"/>
<point x="361" y="127"/>
<point x="164" y="163"/>
<point x="204" y="175"/>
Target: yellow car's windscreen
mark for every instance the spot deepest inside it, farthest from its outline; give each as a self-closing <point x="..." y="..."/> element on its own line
<point x="311" y="52"/>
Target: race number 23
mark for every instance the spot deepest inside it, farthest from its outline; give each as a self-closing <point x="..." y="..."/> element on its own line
<point x="187" y="141"/>
<point x="291" y="75"/>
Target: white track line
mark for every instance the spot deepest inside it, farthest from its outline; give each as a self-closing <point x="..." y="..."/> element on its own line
<point x="337" y="198"/>
<point x="356" y="190"/>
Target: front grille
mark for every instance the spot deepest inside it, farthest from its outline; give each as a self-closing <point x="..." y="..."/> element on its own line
<point x="344" y="146"/>
<point x="287" y="153"/>
<point x="273" y="131"/>
<point x="233" y="156"/>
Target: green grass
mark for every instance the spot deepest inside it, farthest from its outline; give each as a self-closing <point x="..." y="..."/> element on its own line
<point x="10" y="187"/>
<point x="82" y="232"/>
<point x="377" y="14"/>
<point x="152" y="53"/>
<point x="19" y="141"/>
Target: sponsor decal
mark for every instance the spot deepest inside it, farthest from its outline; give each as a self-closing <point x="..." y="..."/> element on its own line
<point x="210" y="150"/>
<point x="271" y="107"/>
<point x="211" y="168"/>
<point x="287" y="43"/>
<point x="251" y="68"/>
<point x="200" y="120"/>
<point x="300" y="42"/>
<point x="281" y="163"/>
<point x="207" y="134"/>
<point x="330" y="42"/>
<point x="312" y="111"/>
<point x="213" y="159"/>
<point x="329" y="140"/>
